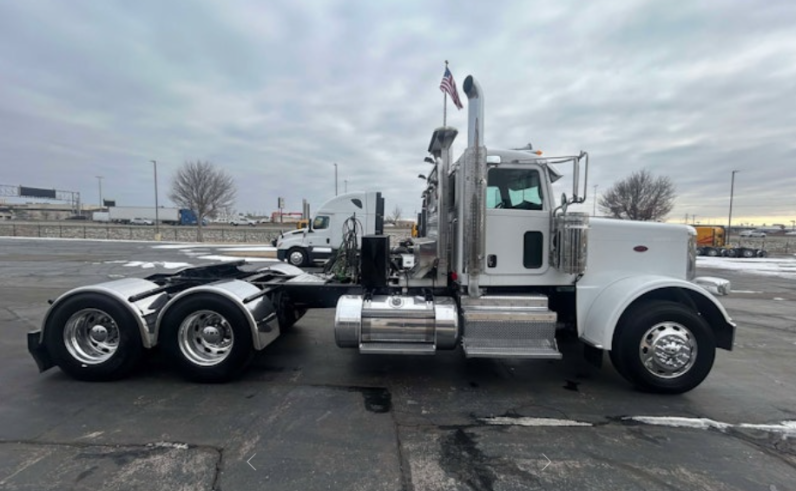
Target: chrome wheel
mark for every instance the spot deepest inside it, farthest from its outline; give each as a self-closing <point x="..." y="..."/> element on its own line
<point x="668" y="350"/>
<point x="296" y="258"/>
<point x="205" y="338"/>
<point x="91" y="336"/>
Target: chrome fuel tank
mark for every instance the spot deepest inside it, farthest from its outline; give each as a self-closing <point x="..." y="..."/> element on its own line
<point x="396" y="323"/>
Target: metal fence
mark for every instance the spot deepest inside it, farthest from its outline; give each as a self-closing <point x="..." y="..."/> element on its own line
<point x="124" y="232"/>
<point x="237" y="235"/>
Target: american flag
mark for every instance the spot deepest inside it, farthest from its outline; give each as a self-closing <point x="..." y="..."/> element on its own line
<point x="448" y="85"/>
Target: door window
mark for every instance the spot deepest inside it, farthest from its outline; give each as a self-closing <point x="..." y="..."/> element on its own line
<point x="320" y="223"/>
<point x="514" y="189"/>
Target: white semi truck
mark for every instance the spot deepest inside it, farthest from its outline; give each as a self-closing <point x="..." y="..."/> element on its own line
<point x="500" y="270"/>
<point x="326" y="231"/>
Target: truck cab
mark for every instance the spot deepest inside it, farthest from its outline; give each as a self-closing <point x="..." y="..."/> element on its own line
<point x="328" y="227"/>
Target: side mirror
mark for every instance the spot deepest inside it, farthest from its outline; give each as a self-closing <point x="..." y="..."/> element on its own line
<point x="564" y="202"/>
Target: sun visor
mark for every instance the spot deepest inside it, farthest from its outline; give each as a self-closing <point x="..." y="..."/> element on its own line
<point x="554" y="176"/>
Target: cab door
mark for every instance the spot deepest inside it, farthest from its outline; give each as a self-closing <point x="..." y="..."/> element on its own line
<point x="320" y="233"/>
<point x="517" y="224"/>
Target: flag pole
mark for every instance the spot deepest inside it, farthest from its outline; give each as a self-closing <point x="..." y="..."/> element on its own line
<point x="445" y="102"/>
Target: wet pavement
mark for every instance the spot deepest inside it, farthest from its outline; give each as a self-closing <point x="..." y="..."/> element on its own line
<point x="308" y="415"/>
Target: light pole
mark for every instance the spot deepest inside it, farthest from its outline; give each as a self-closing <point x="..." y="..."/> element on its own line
<point x="157" y="221"/>
<point x="732" y="192"/>
<point x="594" y="207"/>
<point x="99" y="181"/>
<point x="335" y="179"/>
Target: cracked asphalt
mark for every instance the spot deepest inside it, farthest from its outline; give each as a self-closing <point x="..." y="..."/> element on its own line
<point x="310" y="416"/>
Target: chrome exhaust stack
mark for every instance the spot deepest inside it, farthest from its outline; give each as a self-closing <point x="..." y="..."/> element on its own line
<point x="474" y="183"/>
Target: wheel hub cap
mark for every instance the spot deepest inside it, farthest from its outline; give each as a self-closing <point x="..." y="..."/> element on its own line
<point x="211" y="334"/>
<point x="99" y="333"/>
<point x="668" y="350"/>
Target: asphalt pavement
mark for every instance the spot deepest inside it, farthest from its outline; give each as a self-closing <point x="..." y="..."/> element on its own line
<point x="310" y="416"/>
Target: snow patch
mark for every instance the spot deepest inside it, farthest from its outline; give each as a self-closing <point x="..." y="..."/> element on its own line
<point x="92" y="435"/>
<point x="176" y="246"/>
<point x="786" y="428"/>
<point x="782" y="267"/>
<point x="508" y="421"/>
<point x="181" y="446"/>
<point x="216" y="257"/>
<point x="678" y="422"/>
<point x="150" y="265"/>
<point x="248" y="249"/>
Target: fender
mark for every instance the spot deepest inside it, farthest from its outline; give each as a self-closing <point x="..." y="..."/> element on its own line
<point x="599" y="309"/>
<point x="256" y="307"/>
<point x="121" y="291"/>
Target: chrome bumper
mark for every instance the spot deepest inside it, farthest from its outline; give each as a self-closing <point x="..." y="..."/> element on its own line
<point x="716" y="286"/>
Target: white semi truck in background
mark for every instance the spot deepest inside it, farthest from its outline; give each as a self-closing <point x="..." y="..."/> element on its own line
<point x="327" y="229"/>
<point x="500" y="270"/>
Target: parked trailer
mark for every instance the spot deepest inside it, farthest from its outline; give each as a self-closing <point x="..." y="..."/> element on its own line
<point x="168" y="216"/>
<point x="499" y="270"/>
<point x="711" y="241"/>
<point x="101" y="216"/>
<point x="123" y="214"/>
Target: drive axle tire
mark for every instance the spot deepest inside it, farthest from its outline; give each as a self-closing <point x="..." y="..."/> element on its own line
<point x="297" y="256"/>
<point x="93" y="337"/>
<point x="663" y="347"/>
<point x="207" y="338"/>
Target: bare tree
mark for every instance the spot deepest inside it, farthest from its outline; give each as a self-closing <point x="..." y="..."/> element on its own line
<point x="201" y="187"/>
<point x="395" y="216"/>
<point x="641" y="196"/>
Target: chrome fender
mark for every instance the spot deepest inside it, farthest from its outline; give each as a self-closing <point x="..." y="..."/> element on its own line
<point x="256" y="307"/>
<point x="122" y="291"/>
<point x="600" y="308"/>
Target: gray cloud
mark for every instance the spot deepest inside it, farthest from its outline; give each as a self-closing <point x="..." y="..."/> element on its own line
<point x="276" y="92"/>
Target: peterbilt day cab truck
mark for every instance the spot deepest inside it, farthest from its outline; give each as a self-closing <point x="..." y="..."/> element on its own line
<point x="326" y="231"/>
<point x="500" y="269"/>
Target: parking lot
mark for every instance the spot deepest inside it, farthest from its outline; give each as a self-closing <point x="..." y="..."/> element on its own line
<point x="308" y="415"/>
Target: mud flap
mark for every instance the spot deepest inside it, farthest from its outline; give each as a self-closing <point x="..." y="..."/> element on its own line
<point x="39" y="351"/>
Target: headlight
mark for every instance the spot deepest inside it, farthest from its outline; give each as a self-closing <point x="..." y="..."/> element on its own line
<point x="692" y="255"/>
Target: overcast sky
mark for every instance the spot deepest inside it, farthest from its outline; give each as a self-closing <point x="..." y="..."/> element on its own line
<point x="276" y="92"/>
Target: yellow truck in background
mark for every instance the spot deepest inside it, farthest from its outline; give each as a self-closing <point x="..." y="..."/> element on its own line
<point x="712" y="241"/>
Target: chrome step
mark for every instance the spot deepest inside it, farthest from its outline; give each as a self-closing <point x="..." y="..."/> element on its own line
<point x="551" y="353"/>
<point x="509" y="327"/>
<point x="397" y="348"/>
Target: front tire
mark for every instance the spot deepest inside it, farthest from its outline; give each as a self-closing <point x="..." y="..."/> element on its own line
<point x="297" y="257"/>
<point x="94" y="338"/>
<point x="663" y="347"/>
<point x="207" y="338"/>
